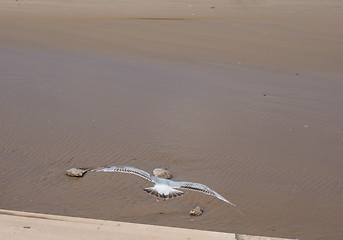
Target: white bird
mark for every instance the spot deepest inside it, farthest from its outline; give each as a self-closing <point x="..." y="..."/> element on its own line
<point x="163" y="188"/>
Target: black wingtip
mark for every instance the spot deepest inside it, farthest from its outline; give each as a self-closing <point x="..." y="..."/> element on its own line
<point x="238" y="210"/>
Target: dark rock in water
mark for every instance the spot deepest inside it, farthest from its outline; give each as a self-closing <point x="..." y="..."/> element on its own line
<point x="196" y="211"/>
<point x="75" y="172"/>
<point x="162" y="173"/>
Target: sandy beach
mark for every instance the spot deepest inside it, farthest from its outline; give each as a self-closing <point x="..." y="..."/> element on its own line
<point x="243" y="96"/>
<point x="33" y="226"/>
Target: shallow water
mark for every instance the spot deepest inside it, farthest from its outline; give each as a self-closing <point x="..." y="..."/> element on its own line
<point x="271" y="142"/>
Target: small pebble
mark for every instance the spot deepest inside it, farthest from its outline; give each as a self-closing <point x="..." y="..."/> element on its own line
<point x="196" y="211"/>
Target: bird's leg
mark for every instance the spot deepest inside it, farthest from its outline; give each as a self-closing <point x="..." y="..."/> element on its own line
<point x="157" y="199"/>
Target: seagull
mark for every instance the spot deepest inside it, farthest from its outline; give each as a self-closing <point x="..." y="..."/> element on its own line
<point x="163" y="188"/>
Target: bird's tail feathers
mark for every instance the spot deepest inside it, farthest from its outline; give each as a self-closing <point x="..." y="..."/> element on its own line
<point x="172" y="194"/>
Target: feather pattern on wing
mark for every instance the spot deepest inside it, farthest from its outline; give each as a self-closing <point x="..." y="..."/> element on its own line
<point x="204" y="189"/>
<point x="125" y="169"/>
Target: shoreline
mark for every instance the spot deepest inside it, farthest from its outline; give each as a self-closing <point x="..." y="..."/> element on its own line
<point x="27" y="225"/>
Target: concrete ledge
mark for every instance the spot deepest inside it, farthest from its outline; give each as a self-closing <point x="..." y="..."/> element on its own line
<point x="34" y="226"/>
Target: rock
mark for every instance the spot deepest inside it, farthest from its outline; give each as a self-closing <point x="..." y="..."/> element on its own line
<point x="251" y="237"/>
<point x="196" y="211"/>
<point x="162" y="173"/>
<point x="75" y="172"/>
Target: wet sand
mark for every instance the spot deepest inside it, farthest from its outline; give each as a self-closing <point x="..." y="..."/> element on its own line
<point x="243" y="96"/>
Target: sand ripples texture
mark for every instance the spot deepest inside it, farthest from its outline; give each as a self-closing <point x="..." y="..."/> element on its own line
<point x="268" y="141"/>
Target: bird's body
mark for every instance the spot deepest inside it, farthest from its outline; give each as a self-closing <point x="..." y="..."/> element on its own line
<point x="163" y="188"/>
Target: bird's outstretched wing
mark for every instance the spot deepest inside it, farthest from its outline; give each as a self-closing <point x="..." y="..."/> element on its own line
<point x="123" y="169"/>
<point x="202" y="188"/>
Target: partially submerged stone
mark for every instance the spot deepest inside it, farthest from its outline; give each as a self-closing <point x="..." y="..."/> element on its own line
<point x="75" y="172"/>
<point x="162" y="173"/>
<point x="251" y="237"/>
<point x="196" y="211"/>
